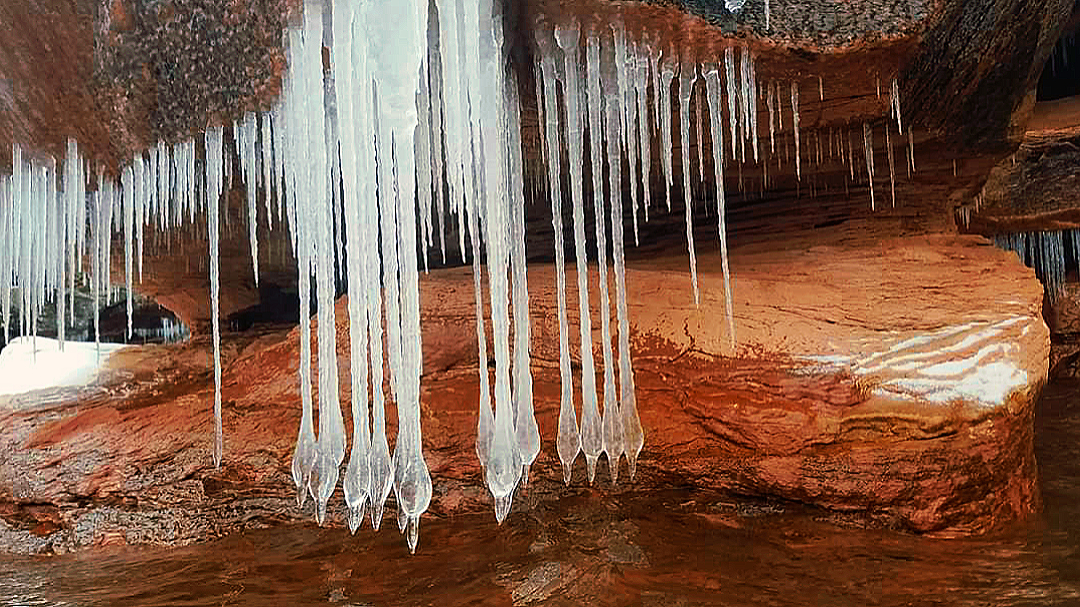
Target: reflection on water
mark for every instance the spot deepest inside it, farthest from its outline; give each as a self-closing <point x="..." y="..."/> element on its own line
<point x="669" y="548"/>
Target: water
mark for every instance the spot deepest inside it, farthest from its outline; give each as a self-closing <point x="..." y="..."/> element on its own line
<point x="676" y="547"/>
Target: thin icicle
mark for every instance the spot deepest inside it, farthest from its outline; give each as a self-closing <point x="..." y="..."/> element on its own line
<point x="127" y="181"/>
<point x="628" y="107"/>
<point x="667" y="74"/>
<point x="214" y="138"/>
<point x="892" y="167"/>
<point x="712" y="80"/>
<point x="795" y="126"/>
<point x="732" y="97"/>
<point x="641" y="84"/>
<point x="687" y="77"/>
<point x="699" y="127"/>
<point x="868" y="149"/>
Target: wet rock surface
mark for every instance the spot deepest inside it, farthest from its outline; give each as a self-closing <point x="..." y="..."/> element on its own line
<point x="130" y="460"/>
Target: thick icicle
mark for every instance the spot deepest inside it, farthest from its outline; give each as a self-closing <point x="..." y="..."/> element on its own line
<point x="687" y="77"/>
<point x="397" y="69"/>
<point x="568" y="441"/>
<point x="611" y="419"/>
<point x="355" y="164"/>
<point x="525" y="428"/>
<point x="299" y="193"/>
<point x="591" y="431"/>
<point x="633" y="436"/>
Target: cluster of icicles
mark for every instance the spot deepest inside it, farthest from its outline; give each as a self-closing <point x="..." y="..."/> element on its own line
<point x="417" y="123"/>
<point x="1046" y="253"/>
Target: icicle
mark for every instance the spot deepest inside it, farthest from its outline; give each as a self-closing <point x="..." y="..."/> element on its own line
<point x="751" y="106"/>
<point x="641" y="83"/>
<point x="667" y="74"/>
<point x="266" y="162"/>
<point x="767" y="14"/>
<point x="244" y="130"/>
<point x="436" y="102"/>
<point x="868" y="148"/>
<point x="687" y="77"/>
<point x="127" y="181"/>
<point x="298" y="195"/>
<point x="214" y="139"/>
<point x="911" y="152"/>
<point x="894" y="98"/>
<point x="525" y="428"/>
<point x="795" y="126"/>
<point x="591" y="430"/>
<point x="611" y="418"/>
<point x="821" y="89"/>
<point x="770" y="101"/>
<point x="627" y="105"/>
<point x="633" y="436"/>
<point x="140" y="209"/>
<point x="712" y="81"/>
<point x="700" y="131"/>
<point x="568" y="440"/>
<point x="892" y="167"/>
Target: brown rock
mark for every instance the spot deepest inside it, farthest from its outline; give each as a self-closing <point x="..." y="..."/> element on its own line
<point x="820" y="402"/>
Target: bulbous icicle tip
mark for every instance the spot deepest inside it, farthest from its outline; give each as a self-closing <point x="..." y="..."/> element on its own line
<point x="567" y="36"/>
<point x="413" y="534"/>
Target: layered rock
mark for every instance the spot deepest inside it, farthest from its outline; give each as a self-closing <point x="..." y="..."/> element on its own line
<point x="892" y="381"/>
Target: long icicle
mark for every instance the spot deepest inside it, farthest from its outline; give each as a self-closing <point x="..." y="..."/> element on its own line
<point x="568" y="440"/>
<point x="611" y="417"/>
<point x="712" y="80"/>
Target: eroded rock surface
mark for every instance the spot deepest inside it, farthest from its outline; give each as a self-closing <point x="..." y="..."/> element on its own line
<point x="821" y="402"/>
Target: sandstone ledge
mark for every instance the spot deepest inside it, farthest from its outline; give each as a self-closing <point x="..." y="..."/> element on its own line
<point x="842" y="393"/>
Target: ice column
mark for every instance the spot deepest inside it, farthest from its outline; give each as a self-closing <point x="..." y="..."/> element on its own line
<point x="568" y="441"/>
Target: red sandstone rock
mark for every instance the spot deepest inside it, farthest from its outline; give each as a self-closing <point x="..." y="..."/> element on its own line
<point x="763" y="420"/>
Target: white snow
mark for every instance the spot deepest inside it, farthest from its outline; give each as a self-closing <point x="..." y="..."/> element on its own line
<point x="28" y="364"/>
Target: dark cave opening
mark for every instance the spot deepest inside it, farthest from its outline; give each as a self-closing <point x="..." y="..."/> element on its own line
<point x="1060" y="77"/>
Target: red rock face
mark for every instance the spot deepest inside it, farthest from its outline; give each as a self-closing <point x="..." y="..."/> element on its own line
<point x="821" y="402"/>
<point x="768" y="422"/>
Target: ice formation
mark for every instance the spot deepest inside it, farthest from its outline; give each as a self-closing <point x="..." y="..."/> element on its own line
<point x="416" y="126"/>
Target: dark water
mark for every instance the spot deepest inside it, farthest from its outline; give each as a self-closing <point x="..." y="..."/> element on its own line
<point x="671" y="548"/>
